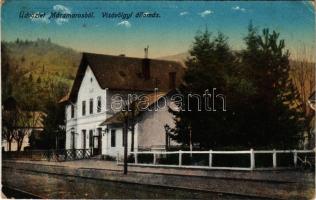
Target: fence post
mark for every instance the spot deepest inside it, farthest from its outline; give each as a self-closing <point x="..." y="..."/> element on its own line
<point x="154" y="162"/>
<point x="295" y="158"/>
<point x="274" y="159"/>
<point x="210" y="159"/>
<point x="136" y="159"/>
<point x="180" y="158"/>
<point x="252" y="159"/>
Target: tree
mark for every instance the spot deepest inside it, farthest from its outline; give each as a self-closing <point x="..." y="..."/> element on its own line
<point x="54" y="120"/>
<point x="303" y="76"/>
<point x="10" y="116"/>
<point x="53" y="128"/>
<point x="260" y="107"/>
<point x="27" y="122"/>
<point x="273" y="117"/>
<point x="10" y="77"/>
<point x="212" y="65"/>
<point x="26" y="94"/>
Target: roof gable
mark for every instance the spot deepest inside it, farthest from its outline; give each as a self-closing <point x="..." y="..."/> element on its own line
<point x="126" y="73"/>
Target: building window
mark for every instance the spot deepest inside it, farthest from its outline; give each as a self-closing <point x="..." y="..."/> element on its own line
<point x="91" y="106"/>
<point x="84" y="139"/>
<point x="172" y="80"/>
<point x="113" y="138"/>
<point x="72" y="111"/>
<point x="123" y="141"/>
<point x="73" y="140"/>
<point x="99" y="105"/>
<point x="91" y="138"/>
<point x="83" y="108"/>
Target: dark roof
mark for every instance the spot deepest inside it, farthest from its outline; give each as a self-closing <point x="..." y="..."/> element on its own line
<point x="148" y="101"/>
<point x="126" y="73"/>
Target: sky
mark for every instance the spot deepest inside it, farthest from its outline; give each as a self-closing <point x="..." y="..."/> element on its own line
<point x="171" y="33"/>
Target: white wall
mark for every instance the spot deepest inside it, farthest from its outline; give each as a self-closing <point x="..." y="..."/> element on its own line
<point x="151" y="126"/>
<point x="14" y="144"/>
<point x="89" y="88"/>
<point x="148" y="132"/>
<point x="112" y="151"/>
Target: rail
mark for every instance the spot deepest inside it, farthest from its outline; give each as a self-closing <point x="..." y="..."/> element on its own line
<point x="226" y="160"/>
<point x="49" y="155"/>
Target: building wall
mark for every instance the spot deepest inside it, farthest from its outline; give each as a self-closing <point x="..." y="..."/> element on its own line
<point x="149" y="131"/>
<point x="151" y="126"/>
<point x="89" y="88"/>
<point x="14" y="144"/>
<point x="119" y="148"/>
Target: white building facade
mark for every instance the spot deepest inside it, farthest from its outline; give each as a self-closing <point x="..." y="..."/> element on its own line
<point x="89" y="103"/>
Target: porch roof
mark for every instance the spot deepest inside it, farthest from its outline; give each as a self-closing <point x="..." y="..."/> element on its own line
<point x="140" y="106"/>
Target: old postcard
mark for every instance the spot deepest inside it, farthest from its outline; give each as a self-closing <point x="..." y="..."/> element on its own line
<point x="158" y="99"/>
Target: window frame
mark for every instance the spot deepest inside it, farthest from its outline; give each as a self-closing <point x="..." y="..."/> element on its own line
<point x="99" y="104"/>
<point x="72" y="111"/>
<point x="91" y="138"/>
<point x="113" y="138"/>
<point x="83" y="108"/>
<point x="91" y="106"/>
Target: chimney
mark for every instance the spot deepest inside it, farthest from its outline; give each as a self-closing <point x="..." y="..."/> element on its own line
<point x="146" y="51"/>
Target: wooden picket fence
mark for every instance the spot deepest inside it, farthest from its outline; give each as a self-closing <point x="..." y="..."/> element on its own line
<point x="225" y="160"/>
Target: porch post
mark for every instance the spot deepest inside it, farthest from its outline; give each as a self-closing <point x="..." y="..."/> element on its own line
<point x="295" y="158"/>
<point x="274" y="159"/>
<point x="252" y="159"/>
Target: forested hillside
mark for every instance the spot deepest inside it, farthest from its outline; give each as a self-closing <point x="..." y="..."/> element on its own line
<point x="43" y="58"/>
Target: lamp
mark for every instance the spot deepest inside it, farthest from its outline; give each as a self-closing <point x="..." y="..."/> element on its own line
<point x="105" y="131"/>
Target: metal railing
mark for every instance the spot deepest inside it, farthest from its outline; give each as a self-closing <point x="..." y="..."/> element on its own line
<point x="49" y="155"/>
<point x="227" y="160"/>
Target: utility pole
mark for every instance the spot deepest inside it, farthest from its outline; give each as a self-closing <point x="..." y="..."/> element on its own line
<point x="132" y="124"/>
<point x="125" y="133"/>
